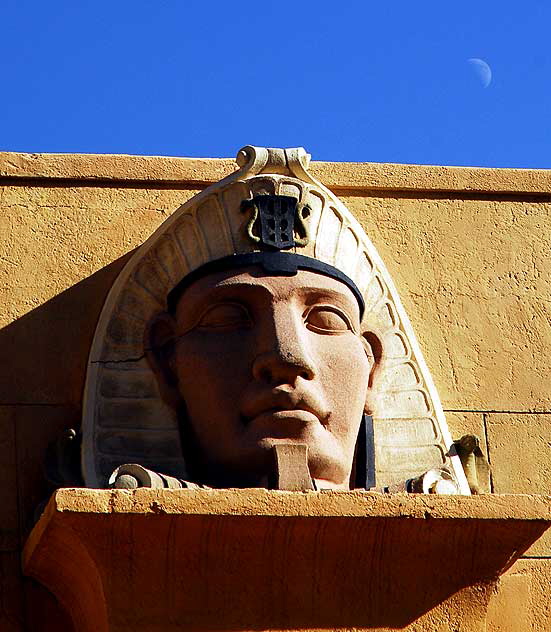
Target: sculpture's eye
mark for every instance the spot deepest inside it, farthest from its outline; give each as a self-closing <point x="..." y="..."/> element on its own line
<point x="225" y="316"/>
<point x="327" y="319"/>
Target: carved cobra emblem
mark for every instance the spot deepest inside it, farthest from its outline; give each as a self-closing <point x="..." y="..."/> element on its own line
<point x="277" y="221"/>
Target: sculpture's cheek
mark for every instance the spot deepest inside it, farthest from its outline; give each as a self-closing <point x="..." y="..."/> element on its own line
<point x="347" y="397"/>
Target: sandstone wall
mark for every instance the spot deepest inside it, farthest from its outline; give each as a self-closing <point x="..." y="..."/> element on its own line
<point x="468" y="250"/>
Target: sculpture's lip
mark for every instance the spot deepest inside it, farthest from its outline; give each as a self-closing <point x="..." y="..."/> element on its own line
<point x="283" y="415"/>
<point x="280" y="405"/>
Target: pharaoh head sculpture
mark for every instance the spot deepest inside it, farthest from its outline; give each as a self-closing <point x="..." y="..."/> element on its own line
<point x="260" y="313"/>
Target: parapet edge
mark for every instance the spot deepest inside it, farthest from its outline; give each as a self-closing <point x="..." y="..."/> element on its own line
<point x="121" y="169"/>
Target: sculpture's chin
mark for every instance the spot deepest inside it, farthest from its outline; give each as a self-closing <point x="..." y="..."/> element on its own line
<point x="246" y="457"/>
<point x="255" y="468"/>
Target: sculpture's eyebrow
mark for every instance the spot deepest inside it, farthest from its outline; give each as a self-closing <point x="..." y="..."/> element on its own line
<point x="231" y="286"/>
<point x="197" y="298"/>
<point x="312" y="295"/>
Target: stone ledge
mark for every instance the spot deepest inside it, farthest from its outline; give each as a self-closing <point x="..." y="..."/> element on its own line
<point x="117" y="170"/>
<point x="263" y="502"/>
<point x="256" y="559"/>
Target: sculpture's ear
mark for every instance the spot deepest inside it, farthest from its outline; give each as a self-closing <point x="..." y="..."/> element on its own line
<point x="159" y="344"/>
<point x="374" y="350"/>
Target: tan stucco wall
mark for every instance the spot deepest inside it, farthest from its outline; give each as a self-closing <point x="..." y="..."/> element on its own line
<point x="468" y="250"/>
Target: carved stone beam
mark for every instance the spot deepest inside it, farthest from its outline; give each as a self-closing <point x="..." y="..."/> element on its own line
<point x="132" y="476"/>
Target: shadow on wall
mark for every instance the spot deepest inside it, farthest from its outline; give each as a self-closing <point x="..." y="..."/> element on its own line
<point x="47" y="348"/>
<point x="42" y="373"/>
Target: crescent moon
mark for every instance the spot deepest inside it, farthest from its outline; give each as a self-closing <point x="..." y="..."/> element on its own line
<point x="482" y="69"/>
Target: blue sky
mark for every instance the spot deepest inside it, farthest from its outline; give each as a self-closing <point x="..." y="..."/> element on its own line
<point x="350" y="80"/>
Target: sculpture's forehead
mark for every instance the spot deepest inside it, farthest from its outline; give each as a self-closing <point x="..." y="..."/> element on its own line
<point x="253" y="282"/>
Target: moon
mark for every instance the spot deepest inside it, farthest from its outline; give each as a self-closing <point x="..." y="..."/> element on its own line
<point x="483" y="71"/>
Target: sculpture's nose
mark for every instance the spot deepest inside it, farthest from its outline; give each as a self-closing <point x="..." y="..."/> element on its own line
<point x="283" y="350"/>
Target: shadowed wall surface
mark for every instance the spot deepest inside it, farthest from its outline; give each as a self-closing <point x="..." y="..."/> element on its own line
<point x="467" y="248"/>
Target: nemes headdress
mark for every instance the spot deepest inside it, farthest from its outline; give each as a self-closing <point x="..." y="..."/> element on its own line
<point x="270" y="212"/>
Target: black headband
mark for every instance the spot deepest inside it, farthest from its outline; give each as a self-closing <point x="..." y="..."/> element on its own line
<point x="273" y="263"/>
